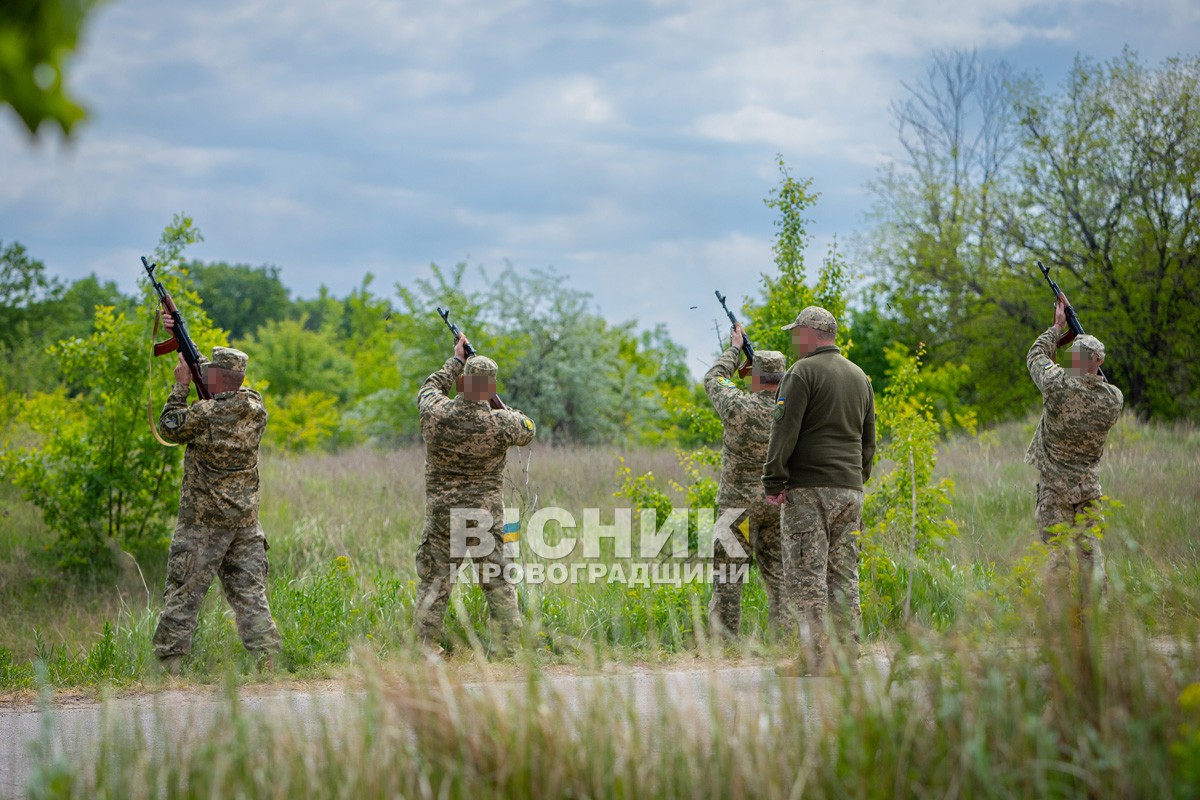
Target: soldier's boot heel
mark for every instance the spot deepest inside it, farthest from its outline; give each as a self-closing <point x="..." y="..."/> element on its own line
<point x="171" y="665"/>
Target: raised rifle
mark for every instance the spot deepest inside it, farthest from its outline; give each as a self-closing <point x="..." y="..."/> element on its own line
<point x="747" y="347"/>
<point x="494" y="401"/>
<point x="180" y="340"/>
<point x="1073" y="327"/>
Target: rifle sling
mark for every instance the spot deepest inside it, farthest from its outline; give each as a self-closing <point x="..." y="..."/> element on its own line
<point x="150" y="382"/>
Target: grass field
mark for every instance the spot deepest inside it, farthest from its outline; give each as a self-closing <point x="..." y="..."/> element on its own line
<point x="344" y="528"/>
<point x="982" y="694"/>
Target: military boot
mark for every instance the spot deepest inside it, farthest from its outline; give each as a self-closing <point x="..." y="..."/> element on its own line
<point x="171" y="664"/>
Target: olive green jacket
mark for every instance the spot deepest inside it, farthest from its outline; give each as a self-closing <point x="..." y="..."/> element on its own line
<point x="823" y="426"/>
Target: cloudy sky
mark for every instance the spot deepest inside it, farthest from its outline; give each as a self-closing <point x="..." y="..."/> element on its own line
<point x="626" y="144"/>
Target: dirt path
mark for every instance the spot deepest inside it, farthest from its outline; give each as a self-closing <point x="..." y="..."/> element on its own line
<point x="73" y="725"/>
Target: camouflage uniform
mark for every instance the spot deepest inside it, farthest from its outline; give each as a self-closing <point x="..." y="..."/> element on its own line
<point x="466" y="444"/>
<point x="1077" y="413"/>
<point x="217" y="532"/>
<point x="747" y="420"/>
<point x="821" y="448"/>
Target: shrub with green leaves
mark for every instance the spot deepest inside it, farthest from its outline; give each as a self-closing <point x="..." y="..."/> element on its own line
<point x="91" y="463"/>
<point x="906" y="517"/>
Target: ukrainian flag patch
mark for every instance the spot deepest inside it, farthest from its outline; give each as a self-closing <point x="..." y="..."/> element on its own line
<point x="512" y="531"/>
<point x="726" y="382"/>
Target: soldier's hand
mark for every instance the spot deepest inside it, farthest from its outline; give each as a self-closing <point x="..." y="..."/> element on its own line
<point x="460" y="350"/>
<point x="738" y="337"/>
<point x="1060" y="312"/>
<point x="168" y="320"/>
<point x="183" y="375"/>
<point x="777" y="499"/>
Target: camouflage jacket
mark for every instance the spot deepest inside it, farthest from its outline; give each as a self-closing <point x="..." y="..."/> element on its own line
<point x="220" y="466"/>
<point x="1077" y="413"/>
<point x="747" y="420"/>
<point x="466" y="441"/>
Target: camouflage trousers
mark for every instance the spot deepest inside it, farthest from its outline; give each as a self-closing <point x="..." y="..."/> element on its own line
<point x="1064" y="519"/>
<point x="437" y="566"/>
<point x="238" y="557"/>
<point x="820" y="528"/>
<point x="725" y="607"/>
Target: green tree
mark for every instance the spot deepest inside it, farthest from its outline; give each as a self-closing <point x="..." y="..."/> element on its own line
<point x="36" y="39"/>
<point x="786" y="291"/>
<point x="290" y="357"/>
<point x="939" y="240"/>
<point x="238" y="297"/>
<point x="1109" y="178"/>
<point x="1097" y="179"/>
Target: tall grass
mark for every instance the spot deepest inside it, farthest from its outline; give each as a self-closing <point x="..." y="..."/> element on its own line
<point x="344" y="530"/>
<point x="1100" y="711"/>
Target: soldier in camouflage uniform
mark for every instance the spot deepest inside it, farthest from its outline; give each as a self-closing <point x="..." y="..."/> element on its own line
<point x="217" y="532"/>
<point x="818" y="458"/>
<point x="746" y="417"/>
<point x="466" y="444"/>
<point x="1078" y="410"/>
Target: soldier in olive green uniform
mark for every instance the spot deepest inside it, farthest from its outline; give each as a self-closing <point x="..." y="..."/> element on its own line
<point x="819" y="457"/>
<point x="746" y="417"/>
<point x="217" y="533"/>
<point x="466" y="444"/>
<point x="1078" y="410"/>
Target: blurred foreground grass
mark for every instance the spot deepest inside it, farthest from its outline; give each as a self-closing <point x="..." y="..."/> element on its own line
<point x="1096" y="711"/>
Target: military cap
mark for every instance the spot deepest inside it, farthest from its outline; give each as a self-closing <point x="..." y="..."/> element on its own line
<point x="769" y="361"/>
<point x="480" y="365"/>
<point x="1090" y="346"/>
<point x="230" y="359"/>
<point x="816" y="318"/>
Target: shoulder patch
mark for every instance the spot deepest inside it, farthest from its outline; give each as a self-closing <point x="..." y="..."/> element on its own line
<point x="726" y="382"/>
<point x="779" y="406"/>
<point x="1048" y="365"/>
<point x="527" y="422"/>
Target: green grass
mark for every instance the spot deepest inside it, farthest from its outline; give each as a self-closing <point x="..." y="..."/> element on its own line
<point x="344" y="530"/>
<point x="1099" y="711"/>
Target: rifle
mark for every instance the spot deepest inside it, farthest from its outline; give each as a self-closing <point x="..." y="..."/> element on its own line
<point x="747" y="347"/>
<point x="180" y="339"/>
<point x="494" y="401"/>
<point x="1073" y="326"/>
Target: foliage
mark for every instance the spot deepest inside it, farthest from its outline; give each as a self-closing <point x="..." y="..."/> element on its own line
<point x="289" y="358"/>
<point x="908" y="511"/>
<point x="36" y="38"/>
<point x="1109" y="174"/>
<point x="1096" y="179"/>
<point x="93" y="467"/>
<point x="306" y="420"/>
<point x="699" y="494"/>
<point x="786" y="292"/>
<point x="240" y="298"/>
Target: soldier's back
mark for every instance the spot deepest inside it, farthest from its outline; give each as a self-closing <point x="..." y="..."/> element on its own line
<point x="465" y="443"/>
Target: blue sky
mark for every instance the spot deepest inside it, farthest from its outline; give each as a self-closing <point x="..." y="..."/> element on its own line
<point x="628" y="145"/>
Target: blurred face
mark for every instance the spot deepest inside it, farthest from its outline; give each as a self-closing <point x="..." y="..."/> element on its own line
<point x="804" y="341"/>
<point x="757" y="384"/>
<point x="478" y="387"/>
<point x="218" y="379"/>
<point x="1082" y="363"/>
